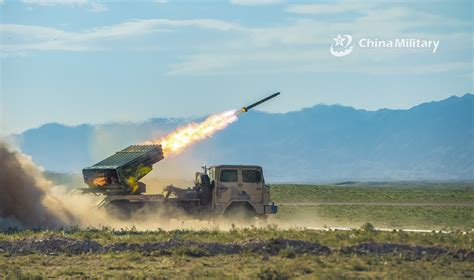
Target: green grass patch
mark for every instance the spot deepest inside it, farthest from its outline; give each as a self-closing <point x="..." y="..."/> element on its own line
<point x="136" y="266"/>
<point x="370" y="192"/>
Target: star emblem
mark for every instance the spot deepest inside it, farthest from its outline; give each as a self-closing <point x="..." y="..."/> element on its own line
<point x="339" y="40"/>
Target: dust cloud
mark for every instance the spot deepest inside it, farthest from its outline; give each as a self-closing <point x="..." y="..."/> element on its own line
<point x="25" y="199"/>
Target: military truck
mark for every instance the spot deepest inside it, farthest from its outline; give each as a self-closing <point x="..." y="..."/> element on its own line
<point x="228" y="190"/>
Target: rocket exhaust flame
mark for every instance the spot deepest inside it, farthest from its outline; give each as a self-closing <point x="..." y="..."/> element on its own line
<point x="183" y="137"/>
<point x="100" y="181"/>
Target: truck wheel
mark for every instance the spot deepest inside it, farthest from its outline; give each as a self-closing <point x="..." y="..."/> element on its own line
<point x="240" y="212"/>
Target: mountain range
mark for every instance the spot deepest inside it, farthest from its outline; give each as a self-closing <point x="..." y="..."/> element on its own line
<point x="431" y="141"/>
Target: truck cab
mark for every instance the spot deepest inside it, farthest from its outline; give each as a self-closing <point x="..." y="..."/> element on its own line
<point x="239" y="188"/>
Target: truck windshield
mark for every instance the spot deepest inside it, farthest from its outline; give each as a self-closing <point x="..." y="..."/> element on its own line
<point x="228" y="175"/>
<point x="251" y="176"/>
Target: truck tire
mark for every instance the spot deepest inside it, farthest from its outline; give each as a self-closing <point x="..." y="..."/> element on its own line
<point x="240" y="212"/>
<point x="205" y="191"/>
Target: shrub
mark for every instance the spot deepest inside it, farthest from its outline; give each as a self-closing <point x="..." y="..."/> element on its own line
<point x="268" y="273"/>
<point x="367" y="227"/>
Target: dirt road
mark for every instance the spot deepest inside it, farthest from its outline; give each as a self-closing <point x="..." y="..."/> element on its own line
<point x="373" y="204"/>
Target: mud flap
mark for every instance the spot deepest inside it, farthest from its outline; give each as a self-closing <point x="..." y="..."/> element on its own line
<point x="270" y="209"/>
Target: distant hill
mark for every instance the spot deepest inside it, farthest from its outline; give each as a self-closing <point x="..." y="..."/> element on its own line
<point x="432" y="141"/>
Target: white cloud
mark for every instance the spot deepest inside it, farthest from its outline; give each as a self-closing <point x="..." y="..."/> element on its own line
<point x="335" y="8"/>
<point x="92" y="6"/>
<point x="211" y="63"/>
<point x="303" y="45"/>
<point x="55" y="2"/>
<point x="309" y="61"/>
<point x="255" y="2"/>
<point x="298" y="46"/>
<point x="97" y="7"/>
<point x="19" y="38"/>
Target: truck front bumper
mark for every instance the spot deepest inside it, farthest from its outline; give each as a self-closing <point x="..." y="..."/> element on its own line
<point x="270" y="209"/>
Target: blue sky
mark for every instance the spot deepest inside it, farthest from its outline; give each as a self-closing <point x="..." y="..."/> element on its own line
<point x="84" y="61"/>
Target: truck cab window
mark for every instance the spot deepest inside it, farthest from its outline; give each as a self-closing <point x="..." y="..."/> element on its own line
<point x="251" y="176"/>
<point x="228" y="175"/>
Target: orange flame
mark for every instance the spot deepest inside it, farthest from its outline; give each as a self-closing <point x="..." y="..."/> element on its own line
<point x="100" y="181"/>
<point x="185" y="136"/>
